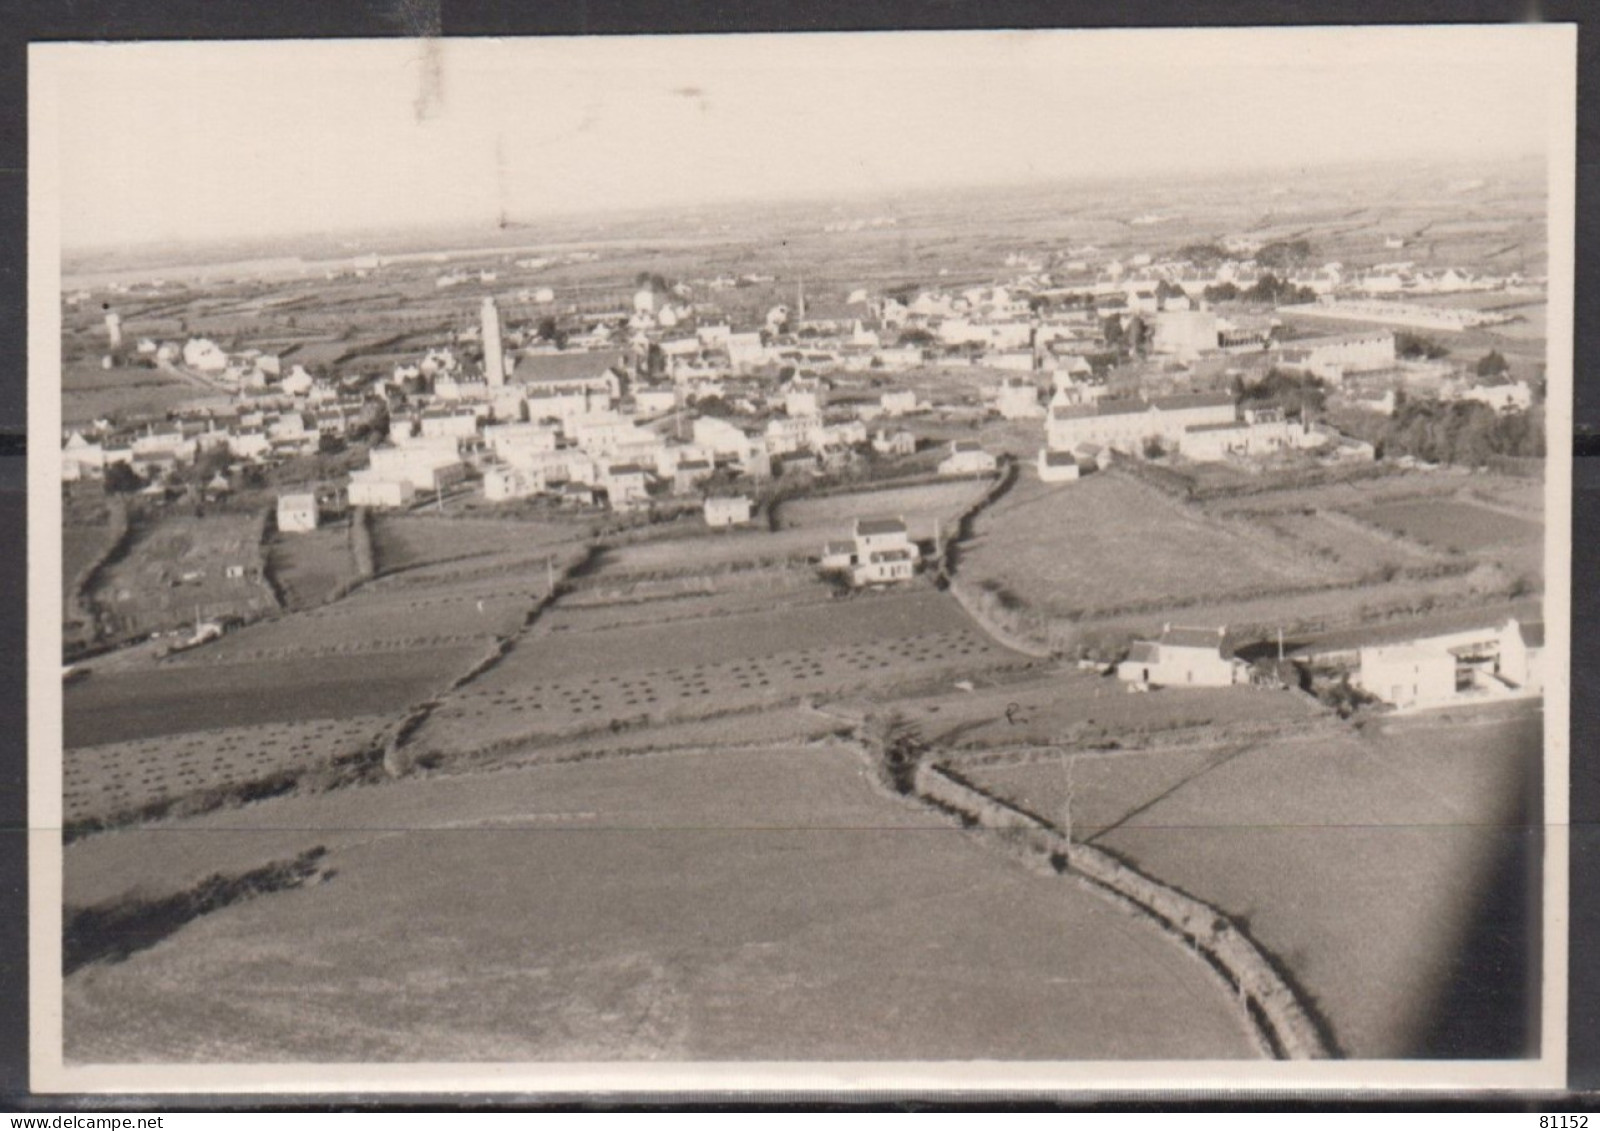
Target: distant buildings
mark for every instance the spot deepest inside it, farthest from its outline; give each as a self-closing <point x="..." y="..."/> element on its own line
<point x="1333" y="358"/>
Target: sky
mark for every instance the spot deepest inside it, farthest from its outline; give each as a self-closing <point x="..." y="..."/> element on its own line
<point x="223" y="140"/>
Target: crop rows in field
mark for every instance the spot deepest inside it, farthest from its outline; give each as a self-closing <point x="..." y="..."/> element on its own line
<point x="122" y="777"/>
<point x="481" y="715"/>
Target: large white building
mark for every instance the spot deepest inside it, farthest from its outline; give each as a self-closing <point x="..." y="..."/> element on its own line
<point x="1124" y="424"/>
<point x="1498" y="661"/>
<point x="1333" y="358"/>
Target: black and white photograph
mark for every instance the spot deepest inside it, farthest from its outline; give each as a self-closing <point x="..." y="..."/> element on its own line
<point x="939" y="559"/>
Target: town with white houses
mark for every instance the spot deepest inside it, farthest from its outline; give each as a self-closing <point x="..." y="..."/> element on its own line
<point x="933" y="549"/>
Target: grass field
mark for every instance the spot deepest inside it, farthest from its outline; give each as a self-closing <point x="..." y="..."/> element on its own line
<point x="921" y="507"/>
<point x="310" y="567"/>
<point x="402" y="542"/>
<point x="89" y="393"/>
<point x="1105" y="543"/>
<point x="1364" y="864"/>
<point x="560" y="913"/>
<point x="165" y="699"/>
<point x="1458" y="527"/>
<point x="1082" y="707"/>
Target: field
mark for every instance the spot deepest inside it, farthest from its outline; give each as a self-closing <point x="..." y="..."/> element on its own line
<point x="175" y="570"/>
<point x="167" y="699"/>
<point x="1079" y="707"/>
<point x="89" y="393"/>
<point x="920" y="507"/>
<point x="1369" y="865"/>
<point x="402" y="542"/>
<point x="1457" y="527"/>
<point x="122" y="777"/>
<point x="560" y="913"/>
<point x="311" y="567"/>
<point x="567" y="674"/>
<point x="1105" y="543"/>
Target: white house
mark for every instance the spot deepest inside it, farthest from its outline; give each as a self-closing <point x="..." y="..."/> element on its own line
<point x="503" y="482"/>
<point x="1058" y="467"/>
<point x="898" y="402"/>
<point x="1493" y="662"/>
<point x="1018" y="400"/>
<point x="727" y="510"/>
<point x="1501" y="395"/>
<point x="297" y="514"/>
<point x="967" y="457"/>
<point x="900" y="442"/>
<point x="1182" y="657"/>
<point x="625" y="485"/>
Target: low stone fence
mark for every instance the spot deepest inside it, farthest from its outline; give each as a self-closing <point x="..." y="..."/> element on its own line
<point x="1270" y="1004"/>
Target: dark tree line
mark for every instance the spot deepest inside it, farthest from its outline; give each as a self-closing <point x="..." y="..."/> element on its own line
<point x="1458" y="432"/>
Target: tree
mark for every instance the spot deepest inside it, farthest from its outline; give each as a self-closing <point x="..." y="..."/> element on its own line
<point x="121" y="479"/>
<point x="1283" y="255"/>
<point x="1154" y="448"/>
<point x="1413" y="345"/>
<point x="1221" y="292"/>
<point x="1492" y="364"/>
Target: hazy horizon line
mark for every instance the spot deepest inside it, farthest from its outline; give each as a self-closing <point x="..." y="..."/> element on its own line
<point x="488" y="225"/>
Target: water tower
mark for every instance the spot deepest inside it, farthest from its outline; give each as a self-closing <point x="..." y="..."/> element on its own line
<point x="494" y="363"/>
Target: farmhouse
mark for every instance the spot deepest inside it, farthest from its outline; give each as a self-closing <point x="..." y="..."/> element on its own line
<point x="297" y="513"/>
<point x="1058" y="467"/>
<point x="730" y="510"/>
<point x="967" y="457"/>
<point x="1182" y="657"/>
<point x="880" y="553"/>
<point x="1484" y="663"/>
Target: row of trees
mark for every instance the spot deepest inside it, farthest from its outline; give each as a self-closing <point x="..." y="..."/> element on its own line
<point x="1269" y="288"/>
<point x="1459" y="432"/>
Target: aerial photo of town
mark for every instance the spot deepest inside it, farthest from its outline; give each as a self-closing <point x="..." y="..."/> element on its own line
<point x="1087" y="618"/>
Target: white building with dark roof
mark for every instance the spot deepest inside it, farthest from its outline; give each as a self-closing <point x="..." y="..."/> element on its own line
<point x="1183" y="657"/>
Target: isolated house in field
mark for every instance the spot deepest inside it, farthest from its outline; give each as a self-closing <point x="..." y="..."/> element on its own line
<point x="1183" y="657"/>
<point x="297" y="514"/>
<point x="880" y="552"/>
<point x="1501" y="661"/>
<point x="1058" y="467"/>
<point x="967" y="457"/>
<point x="730" y="510"/>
